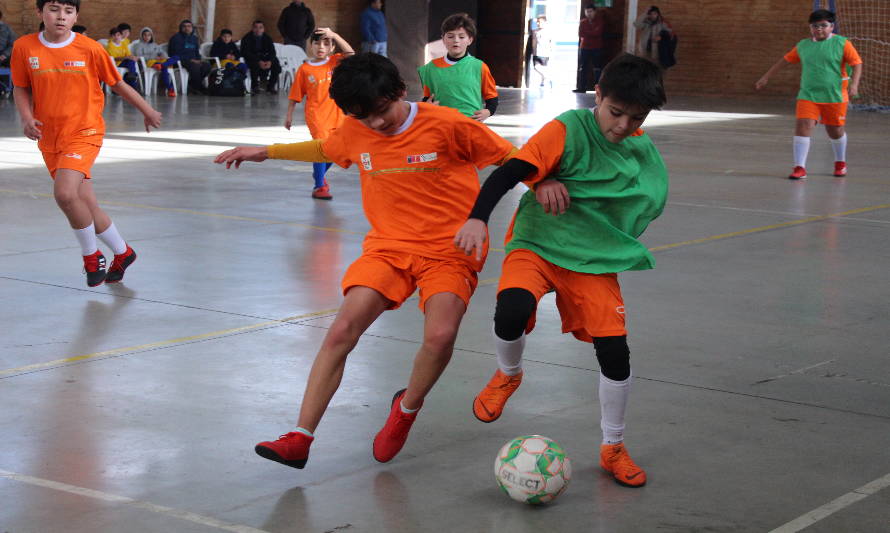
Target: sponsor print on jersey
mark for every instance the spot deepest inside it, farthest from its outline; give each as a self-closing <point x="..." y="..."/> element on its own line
<point x="35" y="62"/>
<point x="366" y="161"/>
<point x="423" y="158"/>
<point x="75" y="63"/>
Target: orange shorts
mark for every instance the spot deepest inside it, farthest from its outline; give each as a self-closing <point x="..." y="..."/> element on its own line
<point x="76" y="155"/>
<point x="590" y="305"/>
<point x="834" y="114"/>
<point x="396" y="275"/>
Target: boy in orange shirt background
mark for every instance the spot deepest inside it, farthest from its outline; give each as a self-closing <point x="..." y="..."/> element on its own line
<point x="57" y="75"/>
<point x="417" y="165"/>
<point x="313" y="81"/>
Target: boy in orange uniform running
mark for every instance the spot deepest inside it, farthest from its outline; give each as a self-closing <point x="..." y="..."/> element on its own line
<point x="57" y="75"/>
<point x="313" y="81"/>
<point x="417" y="165"/>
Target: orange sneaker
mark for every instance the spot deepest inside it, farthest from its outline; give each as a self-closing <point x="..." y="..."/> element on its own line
<point x="489" y="404"/>
<point x="840" y="169"/>
<point x="158" y="66"/>
<point x="798" y="173"/>
<point x="171" y="93"/>
<point x="322" y="193"/>
<point x="615" y="460"/>
<point x="392" y="436"/>
<point x="291" y="449"/>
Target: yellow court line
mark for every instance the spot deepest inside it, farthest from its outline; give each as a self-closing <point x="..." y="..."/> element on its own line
<point x="143" y="347"/>
<point x="487" y="281"/>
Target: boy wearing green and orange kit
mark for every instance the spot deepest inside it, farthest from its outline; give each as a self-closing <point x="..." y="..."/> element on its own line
<point x="313" y="82"/>
<point x="459" y="80"/>
<point x="823" y="95"/>
<point x="417" y="166"/>
<point x="605" y="181"/>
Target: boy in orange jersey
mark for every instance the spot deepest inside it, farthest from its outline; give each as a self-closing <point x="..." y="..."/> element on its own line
<point x="459" y="80"/>
<point x="417" y="165"/>
<point x="823" y="96"/>
<point x="312" y="81"/>
<point x="57" y="75"/>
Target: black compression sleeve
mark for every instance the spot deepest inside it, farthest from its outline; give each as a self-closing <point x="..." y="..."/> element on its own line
<point x="425" y="99"/>
<point x="492" y="104"/>
<point x="501" y="180"/>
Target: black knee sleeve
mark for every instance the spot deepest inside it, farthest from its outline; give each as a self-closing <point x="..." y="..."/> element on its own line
<point x="511" y="314"/>
<point x="614" y="357"/>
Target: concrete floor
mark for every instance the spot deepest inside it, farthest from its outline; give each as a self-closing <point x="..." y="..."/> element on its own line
<point x="760" y="343"/>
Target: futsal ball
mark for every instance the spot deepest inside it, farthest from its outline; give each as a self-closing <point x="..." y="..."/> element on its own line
<point x="533" y="469"/>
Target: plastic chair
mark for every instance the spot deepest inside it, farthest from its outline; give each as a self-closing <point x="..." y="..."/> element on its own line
<point x="183" y="73"/>
<point x="290" y="56"/>
<point x="5" y="88"/>
<point x="205" y="54"/>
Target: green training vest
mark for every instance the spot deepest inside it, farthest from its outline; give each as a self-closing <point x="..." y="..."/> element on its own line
<point x="821" y="80"/>
<point x="458" y="86"/>
<point x="616" y="190"/>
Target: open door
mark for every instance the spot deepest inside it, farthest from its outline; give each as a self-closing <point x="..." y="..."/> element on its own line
<point x="501" y="42"/>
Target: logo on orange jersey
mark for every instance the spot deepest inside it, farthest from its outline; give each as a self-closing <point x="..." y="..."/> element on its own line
<point x="35" y="62"/>
<point x="311" y="78"/>
<point x="620" y="309"/>
<point x="366" y="161"/>
<point x="423" y="158"/>
<point x="74" y="156"/>
<point x="75" y="63"/>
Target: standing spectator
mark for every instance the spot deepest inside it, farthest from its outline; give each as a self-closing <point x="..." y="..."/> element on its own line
<point x="296" y="24"/>
<point x="543" y="48"/>
<point x="590" y="47"/>
<point x="7" y="36"/>
<point x="259" y="52"/>
<point x="184" y="45"/>
<point x="373" y="25"/>
<point x="657" y="40"/>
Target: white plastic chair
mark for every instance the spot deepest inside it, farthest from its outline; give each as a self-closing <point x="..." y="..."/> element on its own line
<point x="241" y="59"/>
<point x="183" y="73"/>
<point x="290" y="56"/>
<point x="205" y="54"/>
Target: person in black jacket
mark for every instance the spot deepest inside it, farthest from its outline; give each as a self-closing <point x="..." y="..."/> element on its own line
<point x="225" y="49"/>
<point x="296" y="23"/>
<point x="258" y="50"/>
<point x="185" y="45"/>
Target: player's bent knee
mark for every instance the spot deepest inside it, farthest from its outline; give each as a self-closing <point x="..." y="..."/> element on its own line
<point x="514" y="307"/>
<point x="613" y="356"/>
<point x="440" y="339"/>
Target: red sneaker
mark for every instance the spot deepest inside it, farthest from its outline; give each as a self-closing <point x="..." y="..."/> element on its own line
<point x="94" y="266"/>
<point x="322" y="193"/>
<point x="392" y="437"/>
<point x="158" y="66"/>
<point x="615" y="460"/>
<point x="798" y="173"/>
<point x="840" y="169"/>
<point x="291" y="449"/>
<point x="171" y="93"/>
<point x="119" y="265"/>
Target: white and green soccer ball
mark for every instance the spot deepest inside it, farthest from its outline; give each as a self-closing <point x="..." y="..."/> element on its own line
<point x="533" y="469"/>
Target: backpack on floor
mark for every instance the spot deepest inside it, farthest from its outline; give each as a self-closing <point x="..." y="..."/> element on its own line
<point x="226" y="82"/>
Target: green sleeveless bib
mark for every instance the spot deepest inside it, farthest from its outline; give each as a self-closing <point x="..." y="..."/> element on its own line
<point x="821" y="79"/>
<point x="458" y="86"/>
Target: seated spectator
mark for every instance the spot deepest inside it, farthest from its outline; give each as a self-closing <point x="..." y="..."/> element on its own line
<point x="77" y="28"/>
<point x="7" y="36"/>
<point x="155" y="58"/>
<point x="259" y="52"/>
<point x="184" y="45"/>
<point x="122" y="57"/>
<point x="125" y="32"/>
<point x="225" y="49"/>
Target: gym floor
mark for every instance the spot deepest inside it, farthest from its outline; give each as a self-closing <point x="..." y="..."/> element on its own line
<point x="759" y="343"/>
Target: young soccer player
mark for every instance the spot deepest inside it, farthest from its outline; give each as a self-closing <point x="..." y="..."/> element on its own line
<point x="57" y="75"/>
<point x="823" y="95"/>
<point x="459" y="80"/>
<point x="417" y="165"/>
<point x="605" y="181"/>
<point x="313" y="81"/>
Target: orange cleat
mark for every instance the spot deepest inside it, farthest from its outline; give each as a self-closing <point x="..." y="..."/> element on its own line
<point x="615" y="460"/>
<point x="840" y="169"/>
<point x="490" y="402"/>
<point x="798" y="173"/>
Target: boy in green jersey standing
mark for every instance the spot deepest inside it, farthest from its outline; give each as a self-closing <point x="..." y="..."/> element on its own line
<point x="824" y="59"/>
<point x="459" y="80"/>
<point x="596" y="181"/>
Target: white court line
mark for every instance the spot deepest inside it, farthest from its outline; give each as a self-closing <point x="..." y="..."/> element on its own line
<point x="834" y="506"/>
<point x="104" y="496"/>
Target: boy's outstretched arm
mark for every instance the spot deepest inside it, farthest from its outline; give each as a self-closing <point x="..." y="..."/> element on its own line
<point x="761" y="83"/>
<point x="152" y="117"/>
<point x="308" y="151"/>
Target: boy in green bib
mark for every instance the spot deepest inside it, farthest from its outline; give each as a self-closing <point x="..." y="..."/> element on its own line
<point x="596" y="182"/>
<point x="826" y="60"/>
<point x="459" y="80"/>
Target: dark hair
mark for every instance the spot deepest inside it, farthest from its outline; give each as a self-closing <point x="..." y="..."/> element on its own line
<point x="225" y="31"/>
<point x="184" y="22"/>
<point x="316" y="36"/>
<point x="78" y="28"/>
<point x="653" y="8"/>
<point x="123" y="26"/>
<point x="457" y="21"/>
<point x="590" y="5"/>
<point x="75" y="3"/>
<point x="821" y="14"/>
<point x="114" y="29"/>
<point x="1" y="15"/>
<point x="633" y="80"/>
<point x="258" y="22"/>
<point x="365" y="83"/>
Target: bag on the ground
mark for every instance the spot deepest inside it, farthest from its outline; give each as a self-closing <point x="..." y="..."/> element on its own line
<point x="226" y="82"/>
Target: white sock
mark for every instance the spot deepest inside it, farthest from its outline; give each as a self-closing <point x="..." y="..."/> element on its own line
<point x="840" y="148"/>
<point x="406" y="410"/>
<point x="613" y="404"/>
<point x="113" y="240"/>
<point x="801" y="147"/>
<point x="305" y="431"/>
<point x="509" y="353"/>
<point x="87" y="239"/>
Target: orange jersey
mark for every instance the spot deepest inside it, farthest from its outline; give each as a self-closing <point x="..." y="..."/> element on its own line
<point x="65" y="90"/>
<point x="313" y="81"/>
<point x="418" y="185"/>
<point x="489" y="89"/>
